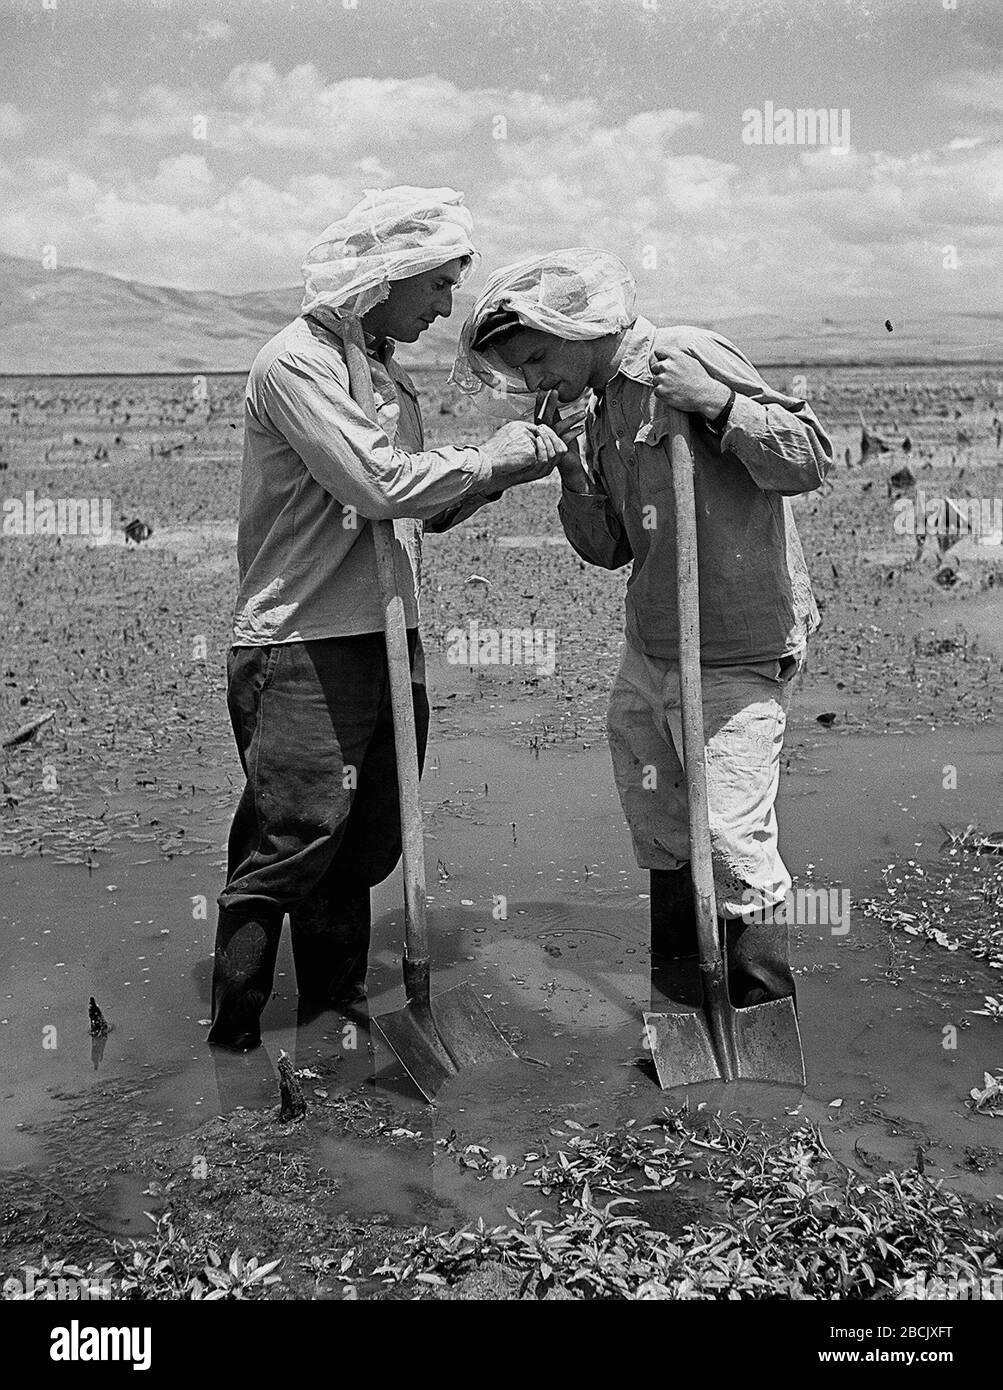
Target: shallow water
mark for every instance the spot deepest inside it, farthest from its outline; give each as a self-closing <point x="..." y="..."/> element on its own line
<point x="535" y="900"/>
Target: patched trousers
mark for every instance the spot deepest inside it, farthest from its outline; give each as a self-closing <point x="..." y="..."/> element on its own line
<point x="745" y="717"/>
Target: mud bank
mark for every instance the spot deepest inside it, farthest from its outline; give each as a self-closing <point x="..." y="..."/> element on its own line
<point x="115" y="816"/>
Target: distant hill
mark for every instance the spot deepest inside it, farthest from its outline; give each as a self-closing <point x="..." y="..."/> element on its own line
<point x="77" y="321"/>
<point x="956" y="337"/>
<point x="71" y="320"/>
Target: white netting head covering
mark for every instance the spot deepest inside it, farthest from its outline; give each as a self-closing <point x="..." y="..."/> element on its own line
<point x="392" y="234"/>
<point x="577" y="293"/>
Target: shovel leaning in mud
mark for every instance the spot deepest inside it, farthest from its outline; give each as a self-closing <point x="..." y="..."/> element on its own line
<point x="762" y="1042"/>
<point x="434" y="1039"/>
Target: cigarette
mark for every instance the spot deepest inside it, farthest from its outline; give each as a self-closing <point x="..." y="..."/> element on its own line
<point x="546" y="408"/>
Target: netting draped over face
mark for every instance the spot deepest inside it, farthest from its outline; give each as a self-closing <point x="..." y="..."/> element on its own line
<point x="392" y="234"/>
<point x="578" y="293"/>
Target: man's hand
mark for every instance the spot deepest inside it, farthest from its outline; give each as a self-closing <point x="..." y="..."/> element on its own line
<point x="570" y="466"/>
<point x="573" y="475"/>
<point x="521" y="453"/>
<point x="682" y="381"/>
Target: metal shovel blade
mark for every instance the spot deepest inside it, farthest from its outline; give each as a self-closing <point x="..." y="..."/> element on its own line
<point x="681" y="1048"/>
<point x="411" y="1036"/>
<point x="464" y="1027"/>
<point x="433" y="1045"/>
<point x="766" y="1046"/>
<point x="768" y="1043"/>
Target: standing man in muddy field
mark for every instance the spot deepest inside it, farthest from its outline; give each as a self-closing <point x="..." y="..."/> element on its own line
<point x="318" y="822"/>
<point x="566" y="322"/>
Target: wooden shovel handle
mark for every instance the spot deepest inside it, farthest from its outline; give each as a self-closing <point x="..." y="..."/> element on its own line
<point x="416" y="975"/>
<point x="691" y="688"/>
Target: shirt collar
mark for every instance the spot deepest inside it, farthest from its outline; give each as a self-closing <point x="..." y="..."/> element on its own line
<point x="634" y="354"/>
<point x="634" y="363"/>
<point x="382" y="354"/>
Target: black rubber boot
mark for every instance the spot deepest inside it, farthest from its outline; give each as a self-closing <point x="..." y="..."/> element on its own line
<point x="675" y="961"/>
<point x="243" y="970"/>
<point x="673" y="926"/>
<point x="758" y="963"/>
<point x="330" y="935"/>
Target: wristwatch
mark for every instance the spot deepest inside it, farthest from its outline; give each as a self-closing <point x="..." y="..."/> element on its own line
<point x="720" y="421"/>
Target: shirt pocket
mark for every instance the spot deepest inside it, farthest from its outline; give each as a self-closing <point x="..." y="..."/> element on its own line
<point x="652" y="478"/>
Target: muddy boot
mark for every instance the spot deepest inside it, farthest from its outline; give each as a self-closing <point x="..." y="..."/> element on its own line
<point x="330" y="936"/>
<point x="243" y="970"/>
<point x="675" y="960"/>
<point x="758" y="963"/>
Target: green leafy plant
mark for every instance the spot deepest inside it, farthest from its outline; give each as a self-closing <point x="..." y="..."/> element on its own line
<point x="797" y="1226"/>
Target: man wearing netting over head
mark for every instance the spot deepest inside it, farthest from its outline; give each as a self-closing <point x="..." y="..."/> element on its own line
<point x="566" y="322"/>
<point x="318" y="822"/>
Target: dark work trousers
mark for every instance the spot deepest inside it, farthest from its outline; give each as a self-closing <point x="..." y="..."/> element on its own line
<point x="317" y="825"/>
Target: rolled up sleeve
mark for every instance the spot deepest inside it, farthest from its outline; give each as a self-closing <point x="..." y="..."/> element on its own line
<point x="352" y="458"/>
<point x="777" y="438"/>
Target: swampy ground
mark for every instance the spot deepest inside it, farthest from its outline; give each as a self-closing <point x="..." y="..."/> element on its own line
<point x="141" y="1158"/>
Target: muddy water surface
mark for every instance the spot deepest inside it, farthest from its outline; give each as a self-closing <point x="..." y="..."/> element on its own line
<point x="536" y="901"/>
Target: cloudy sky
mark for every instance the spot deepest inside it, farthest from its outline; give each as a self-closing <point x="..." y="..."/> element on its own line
<point x="205" y="145"/>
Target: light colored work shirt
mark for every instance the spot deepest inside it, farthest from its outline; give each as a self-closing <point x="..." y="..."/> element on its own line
<point x="756" y="602"/>
<point x="315" y="471"/>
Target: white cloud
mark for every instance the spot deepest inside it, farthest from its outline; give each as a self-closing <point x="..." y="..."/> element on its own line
<point x="285" y="154"/>
<point x="257" y="109"/>
<point x="182" y="179"/>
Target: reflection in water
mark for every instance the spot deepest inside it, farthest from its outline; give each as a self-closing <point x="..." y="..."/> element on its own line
<point x="551" y="933"/>
<point x="244" y="1080"/>
<point x="331" y="1045"/>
